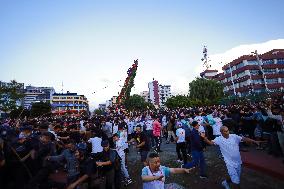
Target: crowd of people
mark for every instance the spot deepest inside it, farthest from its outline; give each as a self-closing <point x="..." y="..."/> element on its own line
<point x="92" y="150"/>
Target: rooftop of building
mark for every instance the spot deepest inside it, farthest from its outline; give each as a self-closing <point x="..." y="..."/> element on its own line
<point x="273" y="54"/>
<point x="67" y="94"/>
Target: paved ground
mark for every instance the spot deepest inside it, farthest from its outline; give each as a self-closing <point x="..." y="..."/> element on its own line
<point x="216" y="169"/>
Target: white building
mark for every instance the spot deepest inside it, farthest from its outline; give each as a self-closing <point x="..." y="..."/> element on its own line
<point x="37" y="94"/>
<point x="158" y="94"/>
<point x="145" y="95"/>
<point x="164" y="94"/>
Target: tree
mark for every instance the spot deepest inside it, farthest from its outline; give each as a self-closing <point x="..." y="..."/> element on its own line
<point x="136" y="102"/>
<point x="99" y="112"/>
<point x="19" y="113"/>
<point x="178" y="101"/>
<point x="40" y="108"/>
<point x="207" y="91"/>
<point x="10" y="96"/>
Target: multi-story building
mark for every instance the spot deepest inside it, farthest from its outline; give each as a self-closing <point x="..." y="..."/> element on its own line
<point x="164" y="94"/>
<point x="154" y="92"/>
<point x="254" y="73"/>
<point x="69" y="103"/>
<point x="37" y="94"/>
<point x="102" y="106"/>
<point x="209" y="74"/>
<point x="145" y="95"/>
<point x="108" y="103"/>
<point x="158" y="94"/>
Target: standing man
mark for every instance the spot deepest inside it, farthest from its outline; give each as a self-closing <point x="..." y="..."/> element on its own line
<point x="170" y="129"/>
<point x="157" y="127"/>
<point x="119" y="147"/>
<point x="149" y="131"/>
<point x="229" y="146"/>
<point x="142" y="144"/>
<point x="197" y="151"/>
<point x="110" y="166"/>
<point x="181" y="145"/>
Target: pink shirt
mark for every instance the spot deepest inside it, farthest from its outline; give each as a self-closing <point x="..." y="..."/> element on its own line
<point x="157" y="129"/>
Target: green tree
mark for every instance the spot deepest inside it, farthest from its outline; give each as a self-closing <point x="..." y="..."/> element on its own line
<point x="10" y="96"/>
<point x="40" y="108"/>
<point x="178" y="101"/>
<point x="19" y="113"/>
<point x="206" y="91"/>
<point x="98" y="112"/>
<point x="136" y="102"/>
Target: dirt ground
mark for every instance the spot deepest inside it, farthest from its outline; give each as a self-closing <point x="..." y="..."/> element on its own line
<point x="216" y="172"/>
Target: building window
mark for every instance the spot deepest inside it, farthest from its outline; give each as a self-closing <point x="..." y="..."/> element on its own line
<point x="254" y="72"/>
<point x="280" y="61"/>
<point x="252" y="62"/>
<point x="269" y="71"/>
<point x="257" y="81"/>
<point x="63" y="97"/>
<point x="259" y="90"/>
<point x="265" y="62"/>
<point x="281" y="70"/>
<point x="241" y="74"/>
<point x="240" y="65"/>
<point x="275" y="80"/>
<point x="242" y="84"/>
<point x="227" y="71"/>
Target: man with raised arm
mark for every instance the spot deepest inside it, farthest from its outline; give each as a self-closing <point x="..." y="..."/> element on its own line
<point x="229" y="146"/>
<point x="153" y="175"/>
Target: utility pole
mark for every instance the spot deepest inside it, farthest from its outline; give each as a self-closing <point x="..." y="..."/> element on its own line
<point x="205" y="58"/>
<point x="260" y="68"/>
<point x="232" y="79"/>
<point x="62" y="87"/>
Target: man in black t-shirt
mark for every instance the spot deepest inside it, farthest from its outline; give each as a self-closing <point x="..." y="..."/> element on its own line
<point x="109" y="164"/>
<point x="86" y="169"/>
<point x="142" y="144"/>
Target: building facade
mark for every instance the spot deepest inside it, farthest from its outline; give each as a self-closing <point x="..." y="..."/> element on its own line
<point x="154" y="93"/>
<point x="145" y="95"/>
<point x="254" y="74"/>
<point x="209" y="74"/>
<point x="158" y="94"/>
<point x="37" y="94"/>
<point x="69" y="103"/>
<point x="164" y="94"/>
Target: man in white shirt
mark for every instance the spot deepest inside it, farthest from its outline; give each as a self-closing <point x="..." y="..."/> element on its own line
<point x="96" y="141"/>
<point x="216" y="127"/>
<point x="229" y="146"/>
<point x="149" y="130"/>
<point x="200" y="121"/>
<point x="119" y="147"/>
<point x="181" y="145"/>
<point x="82" y="127"/>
